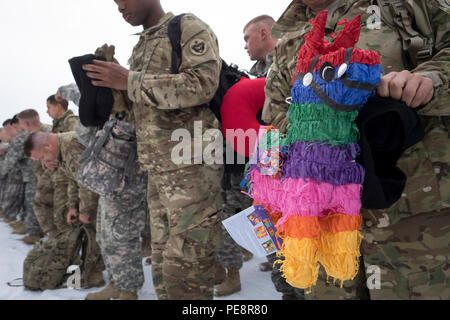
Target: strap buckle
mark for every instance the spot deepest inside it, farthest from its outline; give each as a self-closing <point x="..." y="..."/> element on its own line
<point x="426" y="52"/>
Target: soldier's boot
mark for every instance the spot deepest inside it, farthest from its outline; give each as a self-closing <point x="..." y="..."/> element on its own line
<point x="20" y="229"/>
<point x="289" y="296"/>
<point x="148" y="261"/>
<point x="16" y="223"/>
<point x="146" y="247"/>
<point x="109" y="292"/>
<point x="247" y="254"/>
<point x="231" y="284"/>
<point x="8" y="220"/>
<point x="1" y="213"/>
<point x="128" y="295"/>
<point x="220" y="275"/>
<point x="265" y="266"/>
<point x="95" y="279"/>
<point x="32" y="238"/>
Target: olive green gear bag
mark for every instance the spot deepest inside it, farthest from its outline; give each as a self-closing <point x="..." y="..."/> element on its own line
<point x="46" y="265"/>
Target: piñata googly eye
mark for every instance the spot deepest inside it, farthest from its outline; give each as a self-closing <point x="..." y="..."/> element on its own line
<point x="342" y="70"/>
<point x="327" y="72"/>
<point x="307" y="79"/>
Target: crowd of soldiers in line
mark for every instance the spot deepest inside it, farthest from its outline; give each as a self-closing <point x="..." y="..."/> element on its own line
<point x="182" y="206"/>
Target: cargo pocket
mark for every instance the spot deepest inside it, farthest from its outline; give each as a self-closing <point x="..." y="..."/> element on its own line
<point x="422" y="192"/>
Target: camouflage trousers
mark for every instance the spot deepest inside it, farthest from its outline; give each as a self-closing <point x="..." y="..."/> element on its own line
<point x="13" y="197"/>
<point x="412" y="254"/>
<point x="119" y="226"/>
<point x="229" y="253"/>
<point x="31" y="223"/>
<point x="185" y="207"/>
<point x="50" y="207"/>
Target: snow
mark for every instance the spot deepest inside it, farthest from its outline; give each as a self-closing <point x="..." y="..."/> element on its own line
<point x="256" y="285"/>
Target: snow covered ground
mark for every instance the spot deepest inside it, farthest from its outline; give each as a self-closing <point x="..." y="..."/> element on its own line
<point x="256" y="285"/>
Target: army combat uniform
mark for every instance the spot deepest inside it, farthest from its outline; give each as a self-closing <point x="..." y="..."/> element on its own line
<point x="229" y="253"/>
<point x="409" y="241"/>
<point x="78" y="197"/>
<point x="12" y="192"/>
<point x="16" y="156"/>
<point x="51" y="206"/>
<point x="184" y="199"/>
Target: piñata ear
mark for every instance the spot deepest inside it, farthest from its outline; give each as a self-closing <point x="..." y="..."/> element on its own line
<point x="314" y="39"/>
<point x="349" y="36"/>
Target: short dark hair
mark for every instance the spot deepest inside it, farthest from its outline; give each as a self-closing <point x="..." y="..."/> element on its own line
<point x="6" y="122"/>
<point x="28" y="145"/>
<point x="15" y="120"/>
<point x="63" y="103"/>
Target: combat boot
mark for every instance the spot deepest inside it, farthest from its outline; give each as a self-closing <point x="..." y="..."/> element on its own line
<point x="95" y="279"/>
<point x="1" y="213"/>
<point x="265" y="266"/>
<point x="220" y="275"/>
<point x="8" y="220"/>
<point x="16" y="223"/>
<point x="231" y="284"/>
<point x="247" y="255"/>
<point x="128" y="295"/>
<point x="109" y="292"/>
<point x="32" y="238"/>
<point x="20" y="229"/>
<point x="146" y="247"/>
<point x="148" y="261"/>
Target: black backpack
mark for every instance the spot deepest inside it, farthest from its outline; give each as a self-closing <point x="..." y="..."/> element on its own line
<point x="229" y="75"/>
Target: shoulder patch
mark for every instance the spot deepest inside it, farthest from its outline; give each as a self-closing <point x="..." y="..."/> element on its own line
<point x="198" y="47"/>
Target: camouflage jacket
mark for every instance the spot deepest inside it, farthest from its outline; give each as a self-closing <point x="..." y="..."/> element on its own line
<point x="65" y="123"/>
<point x="426" y="164"/>
<point x="79" y="197"/>
<point x="15" y="157"/>
<point x="261" y="67"/>
<point x="38" y="167"/>
<point x="164" y="102"/>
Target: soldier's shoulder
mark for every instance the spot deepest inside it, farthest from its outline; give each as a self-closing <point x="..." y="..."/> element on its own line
<point x="443" y="5"/>
<point x="192" y="25"/>
<point x="70" y="144"/>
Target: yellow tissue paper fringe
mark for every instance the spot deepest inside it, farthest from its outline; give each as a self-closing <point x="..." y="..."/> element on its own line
<point x="339" y="253"/>
<point x="300" y="266"/>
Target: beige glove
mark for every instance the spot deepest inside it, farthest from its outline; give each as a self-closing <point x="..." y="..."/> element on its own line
<point x="122" y="104"/>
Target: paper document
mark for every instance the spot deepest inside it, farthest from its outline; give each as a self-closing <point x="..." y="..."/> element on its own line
<point x="253" y="230"/>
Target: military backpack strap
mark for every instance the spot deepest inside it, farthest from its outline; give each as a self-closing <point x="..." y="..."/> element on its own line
<point x="175" y="40"/>
<point x="417" y="45"/>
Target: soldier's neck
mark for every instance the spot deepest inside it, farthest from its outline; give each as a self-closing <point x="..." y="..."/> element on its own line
<point x="153" y="18"/>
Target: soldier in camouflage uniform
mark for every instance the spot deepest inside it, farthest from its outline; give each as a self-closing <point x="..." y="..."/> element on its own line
<point x="409" y="241"/>
<point x="13" y="192"/>
<point x="82" y="204"/>
<point x="121" y="221"/>
<point x="184" y="199"/>
<point x="4" y="139"/>
<point x="259" y="45"/>
<point x="29" y="121"/>
<point x="50" y="205"/>
<point x="14" y="157"/>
